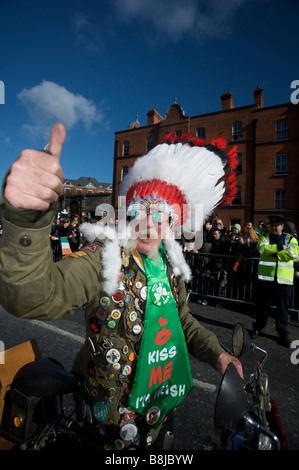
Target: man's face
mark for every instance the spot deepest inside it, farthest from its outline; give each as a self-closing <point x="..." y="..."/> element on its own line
<point x="277" y="229"/>
<point x="216" y="235"/>
<point x="148" y="221"/>
<point x="150" y="234"/>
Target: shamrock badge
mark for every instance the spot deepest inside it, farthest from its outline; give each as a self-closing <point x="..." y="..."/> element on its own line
<point x="160" y="294"/>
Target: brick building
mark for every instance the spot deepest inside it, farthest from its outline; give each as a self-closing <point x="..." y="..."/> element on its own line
<point x="84" y="194"/>
<point x="268" y="150"/>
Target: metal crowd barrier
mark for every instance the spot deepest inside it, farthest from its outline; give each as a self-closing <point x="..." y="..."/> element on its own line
<point x="241" y="279"/>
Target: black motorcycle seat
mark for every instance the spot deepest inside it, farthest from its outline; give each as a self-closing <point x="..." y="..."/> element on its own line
<point x="46" y="377"/>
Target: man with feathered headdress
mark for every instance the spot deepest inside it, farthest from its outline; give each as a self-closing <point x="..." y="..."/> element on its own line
<point x="130" y="281"/>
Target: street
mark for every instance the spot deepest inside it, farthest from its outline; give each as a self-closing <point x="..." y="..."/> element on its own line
<point x="62" y="338"/>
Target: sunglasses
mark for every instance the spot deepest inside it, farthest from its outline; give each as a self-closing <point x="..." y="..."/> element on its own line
<point x="157" y="216"/>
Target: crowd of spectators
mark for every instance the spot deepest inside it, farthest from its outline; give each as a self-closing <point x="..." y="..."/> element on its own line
<point x="65" y="226"/>
<point x="226" y="264"/>
<point x="217" y="266"/>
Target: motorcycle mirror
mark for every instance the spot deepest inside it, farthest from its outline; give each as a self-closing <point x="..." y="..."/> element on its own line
<point x="231" y="404"/>
<point x="241" y="342"/>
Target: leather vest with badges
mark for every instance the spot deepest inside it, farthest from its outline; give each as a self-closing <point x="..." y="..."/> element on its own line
<point x="114" y="326"/>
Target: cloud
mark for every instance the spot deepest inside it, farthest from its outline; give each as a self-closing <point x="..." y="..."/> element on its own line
<point x="49" y="102"/>
<point x="5" y="138"/>
<point x="86" y="35"/>
<point x="172" y="19"/>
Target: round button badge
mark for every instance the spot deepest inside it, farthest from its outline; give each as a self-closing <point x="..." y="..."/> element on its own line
<point x="143" y="293"/>
<point x="153" y="415"/>
<point x="113" y="356"/>
<point x="100" y="411"/>
<point x="137" y="329"/>
<point x="128" y="432"/>
<point x="160" y="293"/>
<point x="111" y="324"/>
<point x="115" y="314"/>
<point x="133" y="316"/>
<point x="126" y="370"/>
<point x="117" y="297"/>
<point x="105" y="301"/>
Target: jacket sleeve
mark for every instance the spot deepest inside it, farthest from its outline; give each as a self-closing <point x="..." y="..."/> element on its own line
<point x="290" y="253"/>
<point x="33" y="286"/>
<point x="265" y="248"/>
<point x="201" y="343"/>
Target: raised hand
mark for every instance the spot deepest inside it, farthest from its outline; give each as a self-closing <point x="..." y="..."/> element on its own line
<point x="36" y="177"/>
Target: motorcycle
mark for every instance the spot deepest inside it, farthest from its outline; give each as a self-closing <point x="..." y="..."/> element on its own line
<point x="34" y="417"/>
<point x="245" y="417"/>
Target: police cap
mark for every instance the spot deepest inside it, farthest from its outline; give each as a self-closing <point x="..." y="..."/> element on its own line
<point x="276" y="220"/>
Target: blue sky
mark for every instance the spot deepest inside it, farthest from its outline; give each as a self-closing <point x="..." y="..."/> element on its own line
<point x="95" y="65"/>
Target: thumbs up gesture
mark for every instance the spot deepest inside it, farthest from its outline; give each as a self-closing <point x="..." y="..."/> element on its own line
<point x="36" y="177"/>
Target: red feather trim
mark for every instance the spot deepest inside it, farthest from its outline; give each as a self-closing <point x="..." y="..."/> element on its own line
<point x="231" y="192"/>
<point x="220" y="142"/>
<point x="144" y="189"/>
<point x="198" y="142"/>
<point x="185" y="136"/>
<point x="170" y="137"/>
<point x="231" y="177"/>
<point x="233" y="160"/>
<point x="149" y="191"/>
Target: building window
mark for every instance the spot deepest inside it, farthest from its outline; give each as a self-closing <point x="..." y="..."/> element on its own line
<point x="281" y="129"/>
<point x="201" y="132"/>
<point x="124" y="171"/>
<point x="281" y="164"/>
<point x="126" y="147"/>
<point x="280" y="199"/>
<point x="237" y="131"/>
<point x="67" y="190"/>
<point x="237" y="199"/>
<point x="178" y="134"/>
<point x="149" y="143"/>
<point x="239" y="167"/>
<point x="79" y="191"/>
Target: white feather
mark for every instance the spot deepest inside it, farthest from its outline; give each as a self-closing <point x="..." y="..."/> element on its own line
<point x="195" y="170"/>
<point x="111" y="265"/>
<point x="176" y="257"/>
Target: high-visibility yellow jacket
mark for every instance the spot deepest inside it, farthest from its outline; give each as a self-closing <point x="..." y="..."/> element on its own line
<point x="275" y="262"/>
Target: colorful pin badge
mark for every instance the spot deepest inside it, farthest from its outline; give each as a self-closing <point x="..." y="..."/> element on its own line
<point x="115" y="314"/>
<point x="153" y="415"/>
<point x="100" y="411"/>
<point x="117" y="297"/>
<point x="128" y="432"/>
<point x="94" y="325"/>
<point x="104" y="301"/>
<point x="112" y="356"/>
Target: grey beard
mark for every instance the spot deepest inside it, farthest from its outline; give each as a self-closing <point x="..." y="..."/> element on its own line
<point x="132" y="244"/>
<point x="153" y="253"/>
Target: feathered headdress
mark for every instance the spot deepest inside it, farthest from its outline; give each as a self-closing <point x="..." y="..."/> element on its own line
<point x="186" y="175"/>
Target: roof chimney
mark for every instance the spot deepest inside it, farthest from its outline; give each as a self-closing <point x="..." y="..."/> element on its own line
<point x="259" y="97"/>
<point x="227" y="101"/>
<point x="153" y="117"/>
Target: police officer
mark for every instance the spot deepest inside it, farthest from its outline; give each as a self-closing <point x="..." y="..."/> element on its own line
<point x="278" y="251"/>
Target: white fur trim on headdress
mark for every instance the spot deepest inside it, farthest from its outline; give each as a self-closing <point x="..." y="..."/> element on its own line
<point x="111" y="252"/>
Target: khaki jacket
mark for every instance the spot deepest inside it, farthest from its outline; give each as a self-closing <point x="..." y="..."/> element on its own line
<point x="33" y="286"/>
